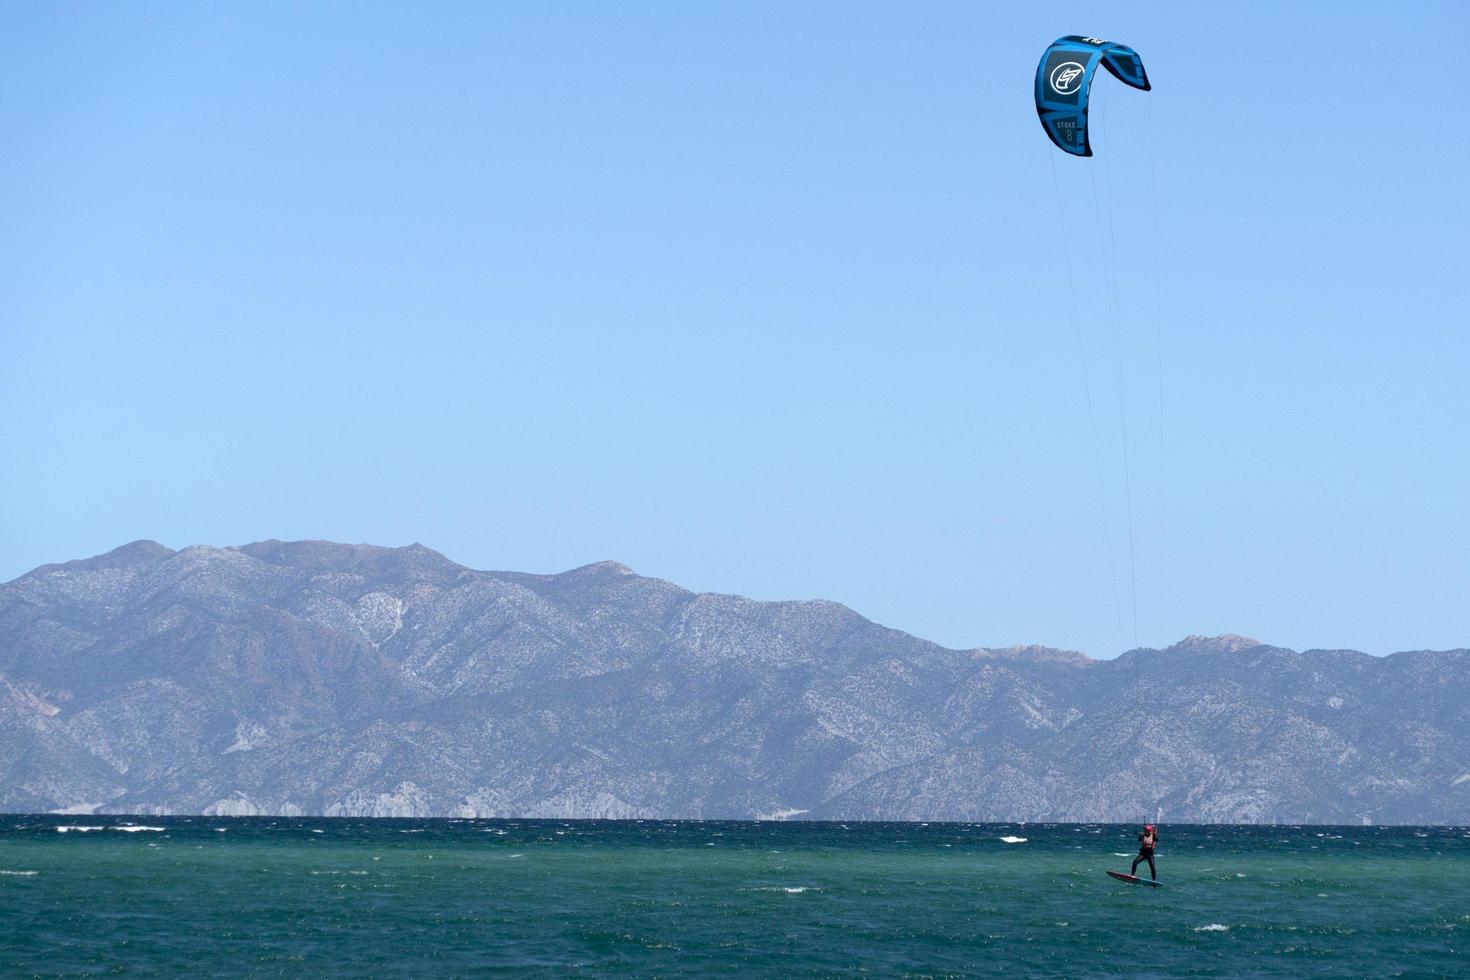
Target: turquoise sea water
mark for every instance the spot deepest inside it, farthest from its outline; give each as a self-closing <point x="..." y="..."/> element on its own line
<point x="265" y="896"/>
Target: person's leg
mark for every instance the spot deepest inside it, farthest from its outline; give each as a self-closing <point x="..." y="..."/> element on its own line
<point x="1134" y="870"/>
<point x="1151" y="869"/>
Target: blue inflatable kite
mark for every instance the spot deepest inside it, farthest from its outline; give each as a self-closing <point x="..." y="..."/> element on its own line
<point x="1064" y="78"/>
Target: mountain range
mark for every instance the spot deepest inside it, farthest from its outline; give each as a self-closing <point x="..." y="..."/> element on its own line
<point x="317" y="678"/>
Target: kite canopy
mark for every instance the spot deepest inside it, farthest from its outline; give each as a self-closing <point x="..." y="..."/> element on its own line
<point x="1064" y="78"/>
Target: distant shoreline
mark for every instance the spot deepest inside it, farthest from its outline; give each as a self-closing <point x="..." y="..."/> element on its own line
<point x="129" y="817"/>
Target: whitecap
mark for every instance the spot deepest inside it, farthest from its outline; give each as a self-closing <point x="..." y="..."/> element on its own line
<point x="20" y="874"/>
<point x="1013" y="840"/>
<point x="1122" y="854"/>
<point x="62" y="830"/>
<point x="795" y="891"/>
<point x="133" y="829"/>
<point x="1212" y="927"/>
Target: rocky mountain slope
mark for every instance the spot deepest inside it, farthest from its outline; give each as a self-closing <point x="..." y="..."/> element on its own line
<point x="309" y="677"/>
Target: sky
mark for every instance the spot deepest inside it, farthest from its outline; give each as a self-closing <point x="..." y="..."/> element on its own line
<point x="762" y="298"/>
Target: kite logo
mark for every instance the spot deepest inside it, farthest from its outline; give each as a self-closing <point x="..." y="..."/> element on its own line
<point x="1066" y="77"/>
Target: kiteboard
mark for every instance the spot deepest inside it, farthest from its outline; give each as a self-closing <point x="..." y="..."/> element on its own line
<point x="1135" y="880"/>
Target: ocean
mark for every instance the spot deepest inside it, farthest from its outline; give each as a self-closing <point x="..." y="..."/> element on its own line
<point x="277" y="896"/>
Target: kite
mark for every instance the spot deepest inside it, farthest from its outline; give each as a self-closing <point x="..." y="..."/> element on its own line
<point x="1064" y="78"/>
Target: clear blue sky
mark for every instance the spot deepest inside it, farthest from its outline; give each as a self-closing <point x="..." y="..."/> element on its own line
<point x="760" y="298"/>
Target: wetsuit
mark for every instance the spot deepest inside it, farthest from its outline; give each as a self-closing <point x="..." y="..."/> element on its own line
<point x="1146" y="842"/>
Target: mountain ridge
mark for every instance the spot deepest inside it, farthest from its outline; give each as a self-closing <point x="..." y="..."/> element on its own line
<point x="316" y="677"/>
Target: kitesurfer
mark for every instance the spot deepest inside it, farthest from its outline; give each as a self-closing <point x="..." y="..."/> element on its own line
<point x="1146" y="842"/>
